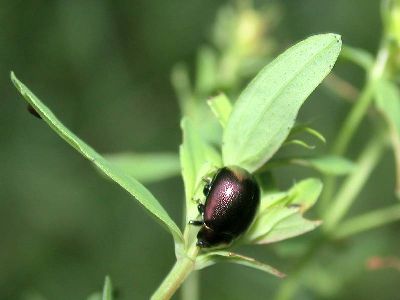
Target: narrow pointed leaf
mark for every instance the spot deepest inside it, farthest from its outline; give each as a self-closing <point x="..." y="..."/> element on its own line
<point x="280" y="214"/>
<point x="299" y="143"/>
<point x="107" y="289"/>
<point x="305" y="193"/>
<point x="329" y="164"/>
<point x="266" y="110"/>
<point x="197" y="157"/>
<point x="147" y="167"/>
<point x="289" y="227"/>
<point x="368" y="221"/>
<point x="130" y="184"/>
<point x="221" y="107"/>
<point x="206" y="76"/>
<point x="300" y="128"/>
<point x="358" y="56"/>
<point x="181" y="83"/>
<point x="230" y="257"/>
<point x="302" y="195"/>
<point x="388" y="102"/>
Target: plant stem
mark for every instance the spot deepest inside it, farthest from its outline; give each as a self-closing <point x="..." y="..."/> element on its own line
<point x="355" y="181"/>
<point x="348" y="192"/>
<point x="190" y="288"/>
<point x="368" y="221"/>
<point x="180" y="271"/>
<point x="354" y="119"/>
<point x="360" y="108"/>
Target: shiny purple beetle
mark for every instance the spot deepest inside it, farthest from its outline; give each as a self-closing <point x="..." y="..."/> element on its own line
<point x="232" y="199"/>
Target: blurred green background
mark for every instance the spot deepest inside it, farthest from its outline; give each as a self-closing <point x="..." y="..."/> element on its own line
<point x="104" y="68"/>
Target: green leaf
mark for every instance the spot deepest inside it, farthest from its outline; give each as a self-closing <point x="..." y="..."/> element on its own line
<point x="280" y="214"/>
<point x="293" y="225"/>
<point x="107" y="289"/>
<point x="329" y="164"/>
<point x="181" y="83"/>
<point x="368" y="221"/>
<point x="305" y="193"/>
<point x="299" y="143"/>
<point x="147" y="167"/>
<point x="304" y="128"/>
<point x="221" y="107"/>
<point x="214" y="257"/>
<point x="302" y="195"/>
<point x="206" y="76"/>
<point x="358" y="56"/>
<point x="265" y="222"/>
<point x="266" y="110"/>
<point x="127" y="182"/>
<point x="197" y="159"/>
<point x="388" y="103"/>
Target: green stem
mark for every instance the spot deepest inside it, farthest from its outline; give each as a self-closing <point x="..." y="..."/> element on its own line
<point x="360" y="108"/>
<point x="352" y="186"/>
<point x="190" y="288"/>
<point x="368" y="221"/>
<point x="353" y="120"/>
<point x="180" y="271"/>
<point x="350" y="189"/>
<point x="354" y="182"/>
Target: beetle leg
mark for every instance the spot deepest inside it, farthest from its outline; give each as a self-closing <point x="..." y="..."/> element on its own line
<point x="201" y="244"/>
<point x="206" y="189"/>
<point x="200" y="208"/>
<point x="207" y="179"/>
<point x="196" y="223"/>
<point x="196" y="200"/>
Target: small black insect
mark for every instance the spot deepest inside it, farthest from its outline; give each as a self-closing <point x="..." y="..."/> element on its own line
<point x="232" y="199"/>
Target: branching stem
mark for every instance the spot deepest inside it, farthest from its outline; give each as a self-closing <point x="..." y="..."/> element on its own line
<point x="179" y="272"/>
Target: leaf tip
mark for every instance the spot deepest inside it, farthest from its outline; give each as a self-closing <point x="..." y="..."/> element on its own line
<point x="338" y="37"/>
<point x="317" y="223"/>
<point x="280" y="275"/>
<point x="335" y="36"/>
<point x="14" y="78"/>
<point x="107" y="289"/>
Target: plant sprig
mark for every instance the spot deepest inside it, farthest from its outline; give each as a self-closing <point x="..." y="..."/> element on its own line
<point x="263" y="116"/>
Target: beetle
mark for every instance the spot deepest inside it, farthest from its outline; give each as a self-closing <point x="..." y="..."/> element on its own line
<point x="232" y="199"/>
